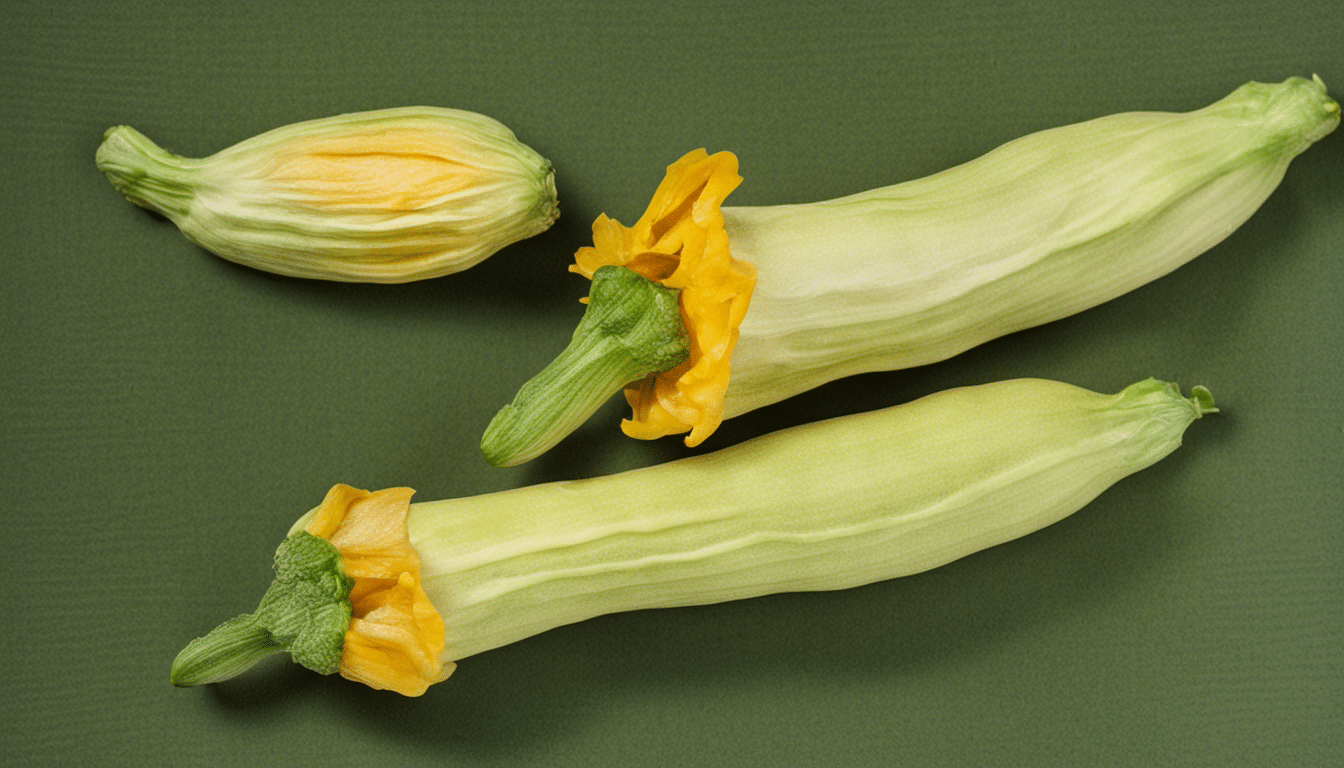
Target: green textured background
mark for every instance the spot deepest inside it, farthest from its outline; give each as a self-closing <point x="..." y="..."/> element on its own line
<point x="167" y="414"/>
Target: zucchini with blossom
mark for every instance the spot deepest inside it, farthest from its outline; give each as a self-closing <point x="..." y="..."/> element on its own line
<point x="777" y="300"/>
<point x="393" y="593"/>
<point x="384" y="196"/>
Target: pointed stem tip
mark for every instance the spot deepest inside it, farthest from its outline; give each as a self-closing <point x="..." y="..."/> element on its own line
<point x="631" y="328"/>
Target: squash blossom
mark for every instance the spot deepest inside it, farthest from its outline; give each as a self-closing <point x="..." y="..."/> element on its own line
<point x="385" y="196"/>
<point x="393" y="593"/>
<point x="777" y="300"/>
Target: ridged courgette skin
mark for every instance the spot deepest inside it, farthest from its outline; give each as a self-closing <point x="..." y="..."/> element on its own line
<point x="829" y="505"/>
<point x="1043" y="227"/>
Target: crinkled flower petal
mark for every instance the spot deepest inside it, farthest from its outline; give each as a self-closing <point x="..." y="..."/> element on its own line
<point x="396" y="635"/>
<point x="680" y="242"/>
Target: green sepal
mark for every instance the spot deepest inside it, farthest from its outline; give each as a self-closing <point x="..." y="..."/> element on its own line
<point x="305" y="611"/>
<point x="631" y="328"/>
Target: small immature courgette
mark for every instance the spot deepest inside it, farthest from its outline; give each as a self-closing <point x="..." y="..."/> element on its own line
<point x="385" y="196"/>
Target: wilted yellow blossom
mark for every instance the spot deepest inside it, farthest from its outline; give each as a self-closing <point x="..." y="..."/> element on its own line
<point x="395" y="634"/>
<point x="680" y="242"/>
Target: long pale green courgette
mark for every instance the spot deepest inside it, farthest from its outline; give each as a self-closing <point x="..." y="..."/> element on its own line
<point x="777" y="300"/>
<point x="1039" y="229"/>
<point x="822" y="506"/>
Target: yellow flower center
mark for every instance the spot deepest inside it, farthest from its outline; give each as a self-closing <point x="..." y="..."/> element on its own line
<point x="383" y="170"/>
<point x="680" y="242"/>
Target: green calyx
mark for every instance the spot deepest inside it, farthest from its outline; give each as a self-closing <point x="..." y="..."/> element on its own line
<point x="305" y="611"/>
<point x="632" y="328"/>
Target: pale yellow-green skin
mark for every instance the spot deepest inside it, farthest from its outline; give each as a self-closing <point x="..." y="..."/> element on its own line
<point x="829" y="505"/>
<point x="387" y="196"/>
<point x="1042" y="227"/>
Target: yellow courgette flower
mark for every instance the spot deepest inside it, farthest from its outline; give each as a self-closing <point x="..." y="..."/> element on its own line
<point x="396" y="635"/>
<point x="680" y="242"/>
<point x="387" y="196"/>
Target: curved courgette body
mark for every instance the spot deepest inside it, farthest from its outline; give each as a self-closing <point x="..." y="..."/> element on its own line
<point x="1042" y="227"/>
<point x="822" y="506"/>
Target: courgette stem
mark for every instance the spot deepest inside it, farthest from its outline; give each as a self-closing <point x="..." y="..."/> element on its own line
<point x="147" y="174"/>
<point x="631" y="328"/>
<point x="226" y="652"/>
